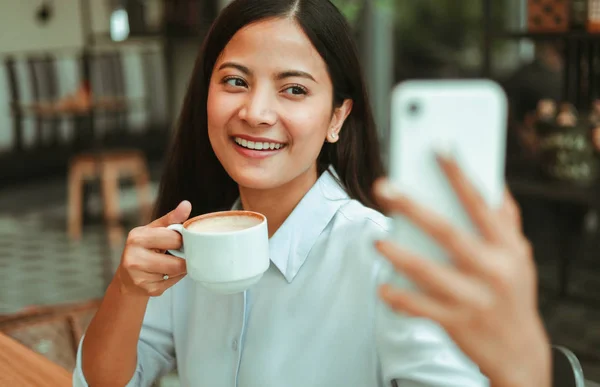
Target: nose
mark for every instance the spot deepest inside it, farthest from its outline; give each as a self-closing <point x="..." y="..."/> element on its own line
<point x="259" y="109"/>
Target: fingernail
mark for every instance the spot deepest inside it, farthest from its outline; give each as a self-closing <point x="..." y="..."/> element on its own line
<point x="387" y="190"/>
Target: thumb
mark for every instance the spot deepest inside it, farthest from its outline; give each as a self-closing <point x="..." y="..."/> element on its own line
<point x="179" y="215"/>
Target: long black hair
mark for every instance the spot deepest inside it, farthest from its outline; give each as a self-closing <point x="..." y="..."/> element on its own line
<point x="193" y="172"/>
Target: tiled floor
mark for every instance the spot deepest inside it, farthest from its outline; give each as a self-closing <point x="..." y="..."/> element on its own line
<point x="39" y="265"/>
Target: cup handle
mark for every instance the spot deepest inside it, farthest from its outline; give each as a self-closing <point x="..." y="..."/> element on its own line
<point x="180" y="252"/>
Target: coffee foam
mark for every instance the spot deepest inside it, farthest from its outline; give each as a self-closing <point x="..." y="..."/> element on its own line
<point x="225" y="223"/>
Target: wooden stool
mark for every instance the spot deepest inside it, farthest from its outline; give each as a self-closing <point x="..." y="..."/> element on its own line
<point x="108" y="167"/>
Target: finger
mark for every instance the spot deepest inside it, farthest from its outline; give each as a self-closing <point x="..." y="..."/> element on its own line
<point x="155" y="263"/>
<point x="464" y="248"/>
<point x="172" y="280"/>
<point x="146" y="280"/>
<point x="415" y="304"/>
<point x="160" y="278"/>
<point x="158" y="288"/>
<point x="510" y="216"/>
<point x="179" y="215"/>
<point x="155" y="238"/>
<point x="165" y="264"/>
<point x="511" y="211"/>
<point x="479" y="212"/>
<point x="441" y="281"/>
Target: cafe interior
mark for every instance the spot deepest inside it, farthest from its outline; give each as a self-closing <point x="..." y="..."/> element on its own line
<point x="90" y="89"/>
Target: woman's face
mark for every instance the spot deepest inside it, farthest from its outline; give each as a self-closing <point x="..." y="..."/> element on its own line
<point x="270" y="106"/>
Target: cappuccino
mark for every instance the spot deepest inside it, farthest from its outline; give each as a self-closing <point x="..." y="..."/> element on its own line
<point x="226" y="252"/>
<point x="223" y="223"/>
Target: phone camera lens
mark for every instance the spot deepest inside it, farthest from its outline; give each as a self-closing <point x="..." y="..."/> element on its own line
<point x="414" y="108"/>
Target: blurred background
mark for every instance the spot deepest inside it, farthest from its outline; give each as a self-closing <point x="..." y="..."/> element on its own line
<point x="89" y="91"/>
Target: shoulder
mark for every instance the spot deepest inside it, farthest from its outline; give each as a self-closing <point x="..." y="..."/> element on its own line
<point x="355" y="228"/>
<point x="357" y="216"/>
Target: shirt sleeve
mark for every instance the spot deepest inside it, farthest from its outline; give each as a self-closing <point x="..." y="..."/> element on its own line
<point x="156" y="349"/>
<point x="416" y="352"/>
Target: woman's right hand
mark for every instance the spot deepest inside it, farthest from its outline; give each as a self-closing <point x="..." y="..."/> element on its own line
<point x="144" y="263"/>
<point x="486" y="296"/>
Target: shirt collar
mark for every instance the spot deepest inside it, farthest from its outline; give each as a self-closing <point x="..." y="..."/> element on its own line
<point x="291" y="243"/>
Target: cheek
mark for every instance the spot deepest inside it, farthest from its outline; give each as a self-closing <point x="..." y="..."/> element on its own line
<point x="213" y="109"/>
<point x="220" y="109"/>
<point x="308" y="123"/>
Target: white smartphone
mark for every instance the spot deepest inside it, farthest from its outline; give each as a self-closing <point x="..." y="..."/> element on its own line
<point x="467" y="118"/>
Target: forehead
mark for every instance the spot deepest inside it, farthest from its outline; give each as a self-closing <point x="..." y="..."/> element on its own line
<point x="274" y="44"/>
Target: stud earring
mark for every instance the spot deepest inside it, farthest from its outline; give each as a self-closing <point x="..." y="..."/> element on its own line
<point x="333" y="135"/>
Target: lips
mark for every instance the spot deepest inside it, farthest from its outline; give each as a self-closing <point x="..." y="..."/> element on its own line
<point x="258" y="145"/>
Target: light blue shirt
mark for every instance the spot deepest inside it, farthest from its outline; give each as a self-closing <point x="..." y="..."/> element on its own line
<point x="313" y="320"/>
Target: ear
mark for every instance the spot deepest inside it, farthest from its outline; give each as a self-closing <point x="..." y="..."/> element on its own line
<point x="337" y="120"/>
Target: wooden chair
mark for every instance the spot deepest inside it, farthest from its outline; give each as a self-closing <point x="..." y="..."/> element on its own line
<point x="108" y="167"/>
<point x="105" y="162"/>
<point x="15" y="99"/>
<point x="43" y="77"/>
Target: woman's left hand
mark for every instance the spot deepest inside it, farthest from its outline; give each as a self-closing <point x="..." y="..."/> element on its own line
<point x="486" y="297"/>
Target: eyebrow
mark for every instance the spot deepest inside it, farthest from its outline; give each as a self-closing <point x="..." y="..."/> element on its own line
<point x="280" y="76"/>
<point x="236" y="66"/>
<point x="295" y="73"/>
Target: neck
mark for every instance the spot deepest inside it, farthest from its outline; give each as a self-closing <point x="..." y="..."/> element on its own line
<point x="278" y="203"/>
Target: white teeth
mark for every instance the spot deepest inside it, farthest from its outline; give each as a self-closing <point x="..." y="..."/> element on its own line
<point x="257" y="145"/>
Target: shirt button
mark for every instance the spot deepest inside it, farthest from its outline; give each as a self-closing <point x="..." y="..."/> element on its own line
<point x="234" y="344"/>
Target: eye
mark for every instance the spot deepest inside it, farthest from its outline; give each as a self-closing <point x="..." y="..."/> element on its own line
<point x="235" y="82"/>
<point x="296" y="90"/>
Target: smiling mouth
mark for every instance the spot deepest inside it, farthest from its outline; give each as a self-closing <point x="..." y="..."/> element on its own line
<point x="259" y="146"/>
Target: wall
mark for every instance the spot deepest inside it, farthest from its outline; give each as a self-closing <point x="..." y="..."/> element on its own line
<point x="22" y="32"/>
<point x="100" y="15"/>
<point x="22" y="35"/>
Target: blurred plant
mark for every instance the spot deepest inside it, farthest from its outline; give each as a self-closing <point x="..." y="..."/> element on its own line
<point x="434" y="33"/>
<point x="444" y="33"/>
<point x="350" y="8"/>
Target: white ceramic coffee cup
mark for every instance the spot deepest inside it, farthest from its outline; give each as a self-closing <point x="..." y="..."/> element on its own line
<point x="225" y="261"/>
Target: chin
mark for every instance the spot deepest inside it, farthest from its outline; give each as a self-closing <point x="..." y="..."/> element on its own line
<point x="255" y="178"/>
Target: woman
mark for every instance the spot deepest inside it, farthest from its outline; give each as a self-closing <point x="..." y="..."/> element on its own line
<point x="276" y="120"/>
